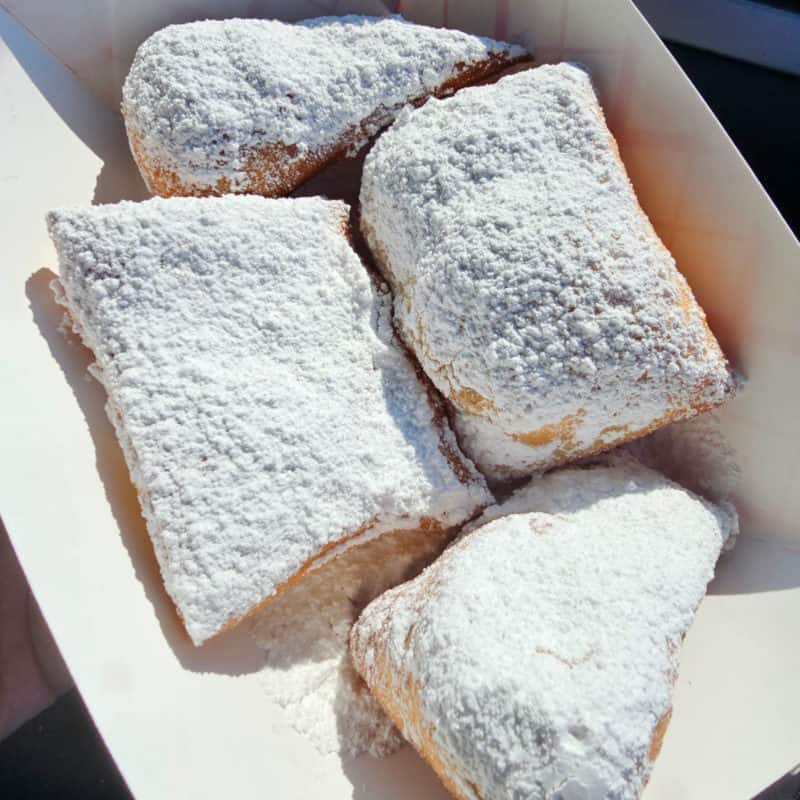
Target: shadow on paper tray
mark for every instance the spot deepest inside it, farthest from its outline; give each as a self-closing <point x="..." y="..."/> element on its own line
<point x="99" y="128"/>
<point x="398" y="777"/>
<point x="757" y="565"/>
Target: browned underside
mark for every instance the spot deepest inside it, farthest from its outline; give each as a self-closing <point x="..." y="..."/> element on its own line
<point x="427" y="524"/>
<point x="274" y="170"/>
<point x="305" y="568"/>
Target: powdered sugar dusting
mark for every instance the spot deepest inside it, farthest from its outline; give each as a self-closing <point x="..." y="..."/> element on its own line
<point x="265" y="411"/>
<point x="694" y="453"/>
<point x="201" y="96"/>
<point x="304" y="634"/>
<point x="527" y="279"/>
<point x="536" y="657"/>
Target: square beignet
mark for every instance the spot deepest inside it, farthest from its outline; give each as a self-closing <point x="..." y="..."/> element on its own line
<point x="527" y="279"/>
<point x="267" y="414"/>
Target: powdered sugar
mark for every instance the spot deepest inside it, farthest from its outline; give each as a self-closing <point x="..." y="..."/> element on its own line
<point x="201" y="97"/>
<point x="527" y="279"/>
<point x="265" y="411"/>
<point x="304" y="634"/>
<point x="694" y="453"/>
<point x="535" y="658"/>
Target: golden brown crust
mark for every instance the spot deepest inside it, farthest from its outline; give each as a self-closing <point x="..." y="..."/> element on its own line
<point x="404" y="538"/>
<point x="658" y="736"/>
<point x="402" y="703"/>
<point x="273" y="170"/>
<point x="562" y="431"/>
<point x="471" y="401"/>
<point x="624" y="434"/>
<point x="306" y="567"/>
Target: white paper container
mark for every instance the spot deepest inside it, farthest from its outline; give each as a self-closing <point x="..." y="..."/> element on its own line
<point x="186" y="722"/>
